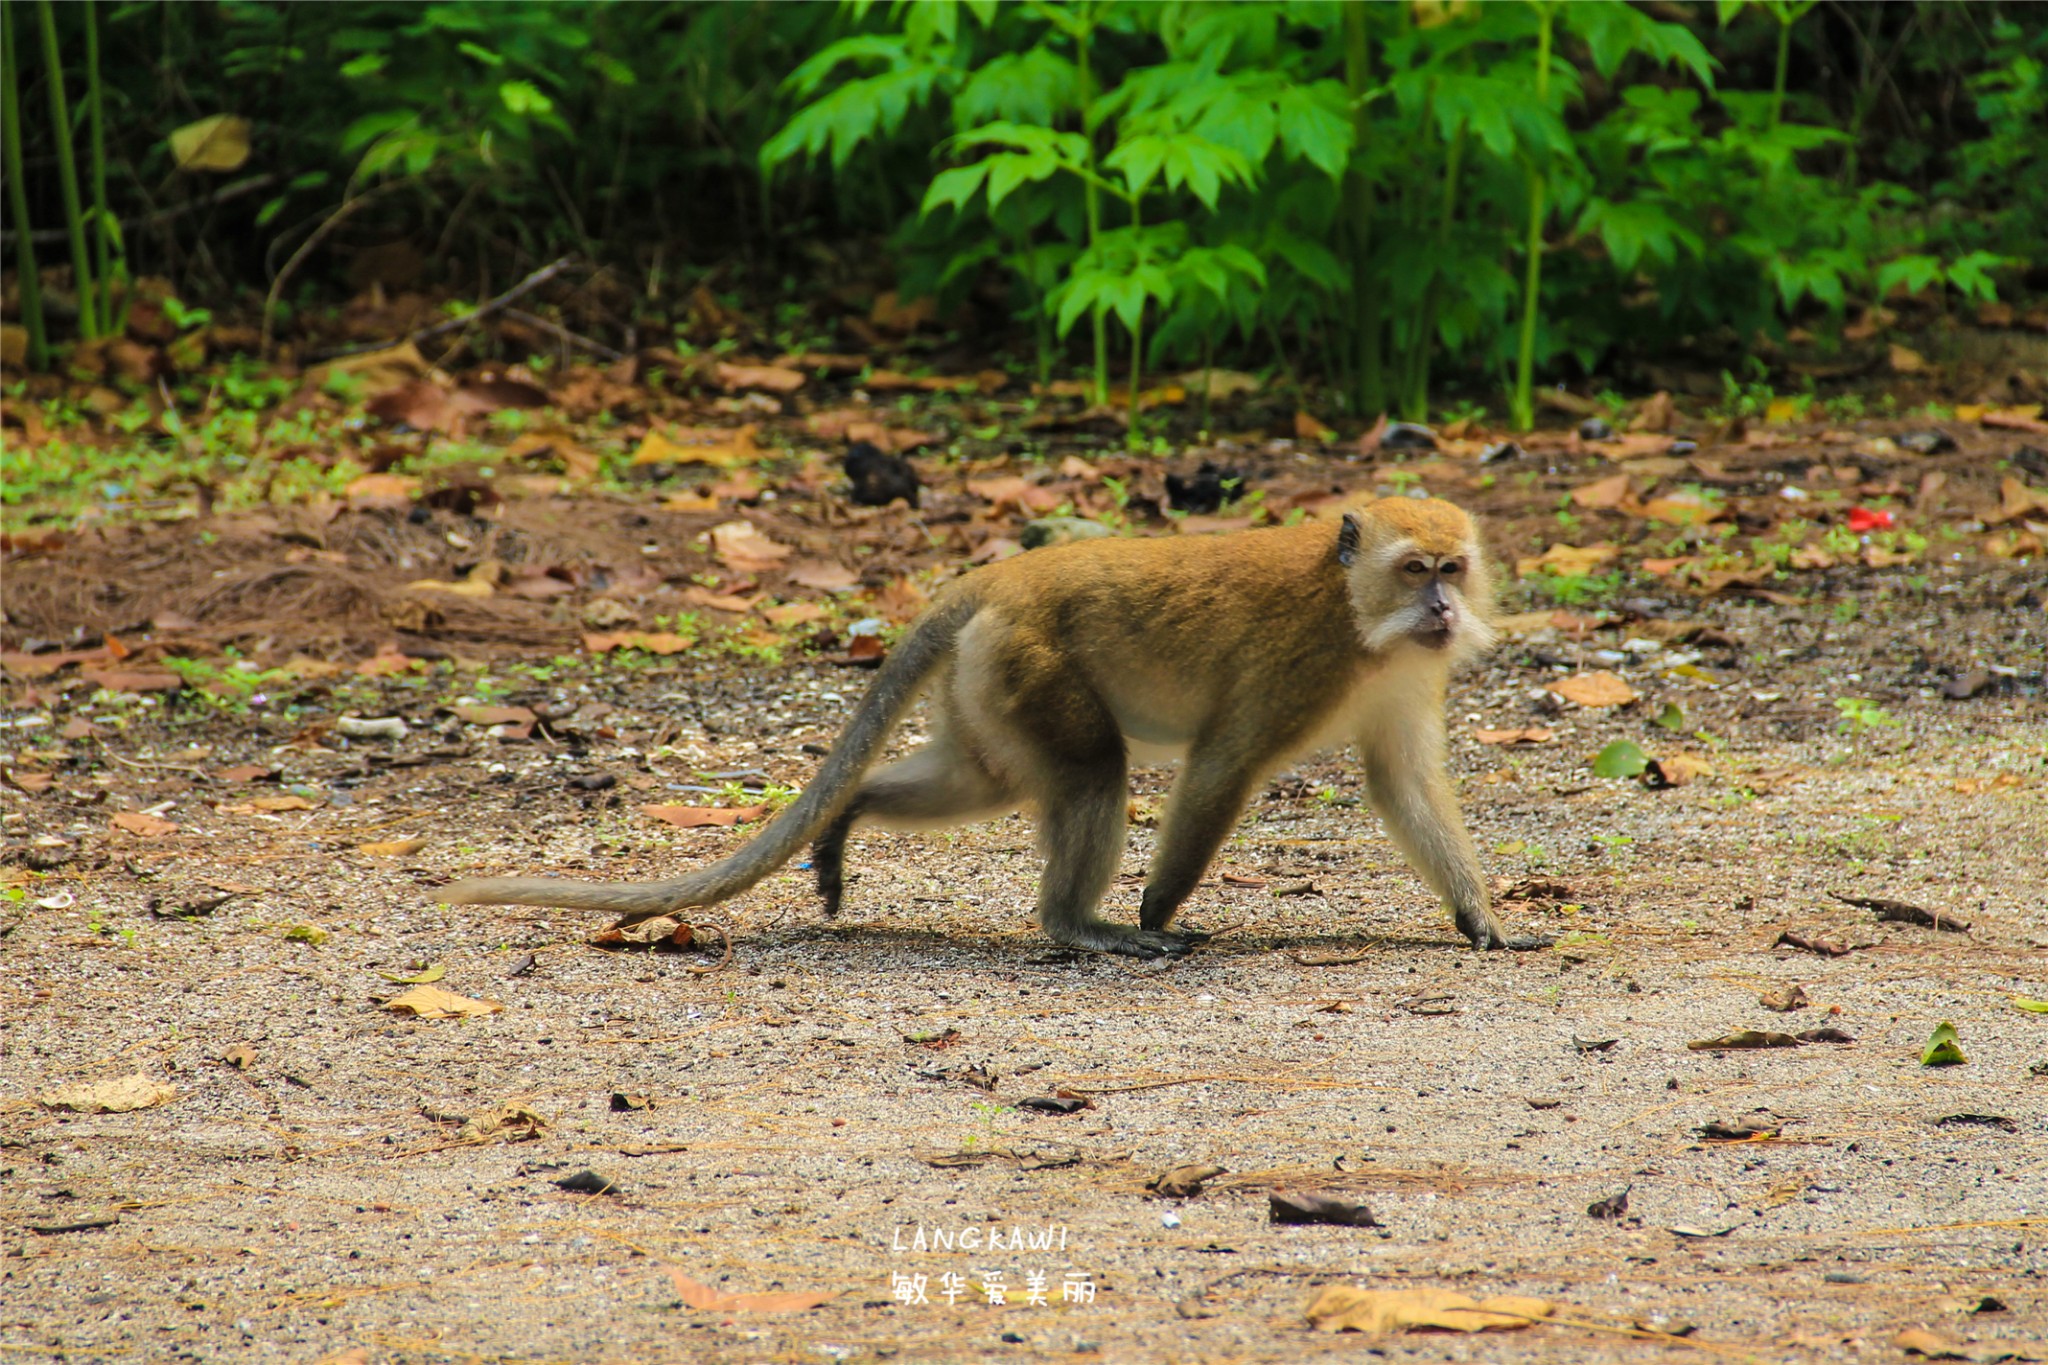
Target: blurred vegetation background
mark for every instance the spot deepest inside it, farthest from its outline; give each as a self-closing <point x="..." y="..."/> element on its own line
<point x="1390" y="197"/>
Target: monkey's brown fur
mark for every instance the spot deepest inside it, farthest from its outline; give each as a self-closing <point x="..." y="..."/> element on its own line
<point x="1049" y="670"/>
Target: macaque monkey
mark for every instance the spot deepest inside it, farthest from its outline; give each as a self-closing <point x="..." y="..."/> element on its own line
<point x="1051" y="669"/>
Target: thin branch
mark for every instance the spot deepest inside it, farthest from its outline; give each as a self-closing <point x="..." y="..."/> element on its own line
<point x="478" y="314"/>
<point x="306" y="248"/>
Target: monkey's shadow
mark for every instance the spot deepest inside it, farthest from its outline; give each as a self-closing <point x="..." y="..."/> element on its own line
<point x="1007" y="950"/>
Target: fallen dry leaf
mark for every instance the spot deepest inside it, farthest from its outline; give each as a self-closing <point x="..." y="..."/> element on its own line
<point x="1602" y="494"/>
<point x="795" y="613"/>
<point x="132" y="679"/>
<point x="1341" y="1308"/>
<point x="654" y="642"/>
<point x="823" y="574"/>
<point x="744" y="548"/>
<point x="715" y="446"/>
<point x="774" y="378"/>
<point x="1531" y="734"/>
<point x="1569" y="561"/>
<point x="705" y="1299"/>
<point x="118" y="1096"/>
<point x="696" y="817"/>
<point x="1918" y="1341"/>
<point x="392" y="848"/>
<point x="1597" y="689"/>
<point x="143" y="826"/>
<point x="432" y="1002"/>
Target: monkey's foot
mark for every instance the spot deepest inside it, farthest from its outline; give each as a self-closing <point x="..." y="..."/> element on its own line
<point x="1102" y="936"/>
<point x="1482" y="930"/>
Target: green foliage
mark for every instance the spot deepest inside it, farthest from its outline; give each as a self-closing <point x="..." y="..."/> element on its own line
<point x="1620" y="759"/>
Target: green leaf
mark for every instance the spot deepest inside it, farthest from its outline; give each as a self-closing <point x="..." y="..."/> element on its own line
<point x="1943" y="1048"/>
<point x="369" y="64"/>
<point x="1315" y="127"/>
<point x="1914" y="272"/>
<point x="2030" y="1006"/>
<point x="481" y="54"/>
<point x="370" y="127"/>
<point x="954" y="187"/>
<point x="1620" y="759"/>
<point x="1671" y="718"/>
<point x="524" y="97"/>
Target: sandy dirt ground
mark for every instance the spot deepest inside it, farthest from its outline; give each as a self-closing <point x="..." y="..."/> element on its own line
<point x="836" y="1110"/>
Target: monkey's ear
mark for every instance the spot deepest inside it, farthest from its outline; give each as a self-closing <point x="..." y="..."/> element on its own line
<point x="1347" y="540"/>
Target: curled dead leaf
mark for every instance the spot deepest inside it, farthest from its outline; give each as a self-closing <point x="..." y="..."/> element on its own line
<point x="432" y="1002"/>
<point x="704" y="1299"/>
<point x="1341" y="1308"/>
<point x="1600" y="688"/>
<point x="118" y="1096"/>
<point x="694" y="817"/>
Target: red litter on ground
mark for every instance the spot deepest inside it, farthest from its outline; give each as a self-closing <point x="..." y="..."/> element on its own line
<point x="1863" y="519"/>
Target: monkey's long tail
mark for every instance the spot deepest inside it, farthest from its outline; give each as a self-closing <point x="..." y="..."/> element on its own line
<point x="913" y="660"/>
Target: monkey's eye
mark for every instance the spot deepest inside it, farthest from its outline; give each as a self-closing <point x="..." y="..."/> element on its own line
<point x="1450" y="569"/>
<point x="1415" y="566"/>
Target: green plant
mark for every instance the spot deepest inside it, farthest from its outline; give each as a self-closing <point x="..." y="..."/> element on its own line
<point x="1860" y="714"/>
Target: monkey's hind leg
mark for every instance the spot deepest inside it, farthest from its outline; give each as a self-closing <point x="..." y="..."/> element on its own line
<point x="1081" y="829"/>
<point x="1203" y="808"/>
<point x="940" y="784"/>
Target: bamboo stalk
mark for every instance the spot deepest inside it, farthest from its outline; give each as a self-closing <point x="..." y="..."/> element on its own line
<point x="67" y="176"/>
<point x="1521" y="404"/>
<point x="102" y="216"/>
<point x="17" y="195"/>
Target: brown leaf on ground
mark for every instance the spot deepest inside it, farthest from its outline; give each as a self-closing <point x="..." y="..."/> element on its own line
<point x="773" y="378"/>
<point x="511" y="1120"/>
<point x="119" y="1096"/>
<point x="1602" y="494"/>
<point x="1184" y="1182"/>
<point x="2016" y="500"/>
<point x="795" y="613"/>
<point x="392" y="848"/>
<point x="1307" y="428"/>
<point x="132" y="679"/>
<point x="1826" y="947"/>
<point x="654" y="642"/>
<point x="719" y="447"/>
<point x="392" y="491"/>
<point x="433" y="1002"/>
<point x="823" y="574"/>
<point x="900" y="600"/>
<point x="1655" y="413"/>
<point x="744" y="548"/>
<point x="705" y="1299"/>
<point x="1571" y="561"/>
<point x="144" y="826"/>
<point x="1743" y="1039"/>
<point x="1784" y="999"/>
<point x="1918" y="1341"/>
<point x="696" y="817"/>
<point x="1341" y="1308"/>
<point x="1594" y="690"/>
<point x="718" y="601"/>
<point x="1530" y="734"/>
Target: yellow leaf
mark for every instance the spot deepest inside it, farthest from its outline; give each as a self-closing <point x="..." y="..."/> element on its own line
<point x="418" y="978"/>
<point x="1569" y="561"/>
<point x="1341" y="1308"/>
<point x="392" y="848"/>
<point x="118" y="1096"/>
<point x="1593" y="690"/>
<point x="431" y="1002"/>
<point x="219" y="143"/>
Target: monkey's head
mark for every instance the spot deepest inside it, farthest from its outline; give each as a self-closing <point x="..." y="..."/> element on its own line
<point x="1417" y="577"/>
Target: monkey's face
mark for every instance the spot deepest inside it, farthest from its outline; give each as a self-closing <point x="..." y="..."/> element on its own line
<point x="1437" y="609"/>
<point x="1417" y="579"/>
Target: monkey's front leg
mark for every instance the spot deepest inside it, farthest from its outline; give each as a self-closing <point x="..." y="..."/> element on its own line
<point x="1409" y="788"/>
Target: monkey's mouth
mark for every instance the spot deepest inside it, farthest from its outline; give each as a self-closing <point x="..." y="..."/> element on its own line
<point x="1434" y="637"/>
